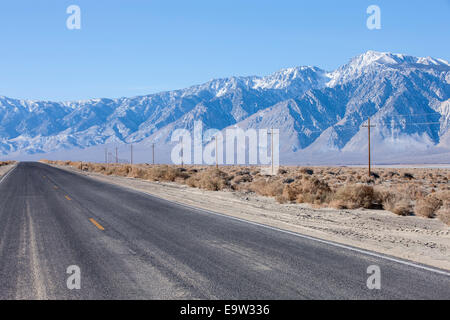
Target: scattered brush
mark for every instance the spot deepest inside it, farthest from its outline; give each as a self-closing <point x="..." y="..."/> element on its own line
<point x="423" y="192"/>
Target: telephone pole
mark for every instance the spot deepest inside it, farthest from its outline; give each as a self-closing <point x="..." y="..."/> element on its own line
<point x="106" y="155"/>
<point x="117" y="159"/>
<point x="368" y="125"/>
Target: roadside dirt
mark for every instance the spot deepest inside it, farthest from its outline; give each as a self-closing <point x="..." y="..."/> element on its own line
<point x="4" y="169"/>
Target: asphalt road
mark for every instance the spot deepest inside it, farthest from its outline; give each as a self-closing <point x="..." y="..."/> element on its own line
<point x="129" y="245"/>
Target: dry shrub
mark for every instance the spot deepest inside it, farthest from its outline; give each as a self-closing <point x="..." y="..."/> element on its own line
<point x="121" y="170"/>
<point x="306" y="190"/>
<point x="408" y="175"/>
<point x="290" y="193"/>
<point x="396" y="202"/>
<point x="427" y="207"/>
<point x="167" y="173"/>
<point x="355" y="196"/>
<point x="137" y="172"/>
<point x="444" y="212"/>
<point x="242" y="178"/>
<point x="268" y="188"/>
<point x="5" y="163"/>
<point x="307" y="171"/>
<point x="213" y="179"/>
<point x="98" y="168"/>
<point x="401" y="208"/>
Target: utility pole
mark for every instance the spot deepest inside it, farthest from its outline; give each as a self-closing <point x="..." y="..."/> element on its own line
<point x="153" y="153"/>
<point x="117" y="159"/>
<point x="368" y="135"/>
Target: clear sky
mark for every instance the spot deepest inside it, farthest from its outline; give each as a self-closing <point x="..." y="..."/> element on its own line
<point x="136" y="47"/>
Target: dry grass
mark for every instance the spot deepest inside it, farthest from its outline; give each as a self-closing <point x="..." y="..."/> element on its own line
<point x="428" y="206"/>
<point x="356" y="196"/>
<point x="210" y="179"/>
<point x="443" y="213"/>
<point x="266" y="187"/>
<point x="423" y="192"/>
<point x="308" y="190"/>
<point x="401" y="207"/>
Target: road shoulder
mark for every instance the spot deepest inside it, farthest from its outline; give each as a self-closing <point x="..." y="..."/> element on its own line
<point x="4" y="170"/>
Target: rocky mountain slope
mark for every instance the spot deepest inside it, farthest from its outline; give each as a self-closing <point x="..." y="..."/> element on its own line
<point x="407" y="98"/>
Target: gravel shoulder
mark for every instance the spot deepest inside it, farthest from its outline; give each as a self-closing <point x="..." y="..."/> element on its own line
<point x="425" y="241"/>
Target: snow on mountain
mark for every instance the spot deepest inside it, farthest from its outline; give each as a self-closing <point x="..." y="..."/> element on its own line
<point x="373" y="61"/>
<point x="316" y="111"/>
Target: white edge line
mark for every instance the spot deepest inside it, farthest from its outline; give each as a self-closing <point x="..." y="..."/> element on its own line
<point x="335" y="244"/>
<point x="8" y="173"/>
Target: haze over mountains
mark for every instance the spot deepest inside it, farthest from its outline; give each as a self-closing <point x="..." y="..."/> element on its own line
<point x="320" y="114"/>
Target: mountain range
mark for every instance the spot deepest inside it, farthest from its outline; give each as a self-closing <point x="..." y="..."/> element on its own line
<point x="320" y="114"/>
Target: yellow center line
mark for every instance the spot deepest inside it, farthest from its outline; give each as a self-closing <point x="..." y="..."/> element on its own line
<point x="96" y="224"/>
<point x="68" y="198"/>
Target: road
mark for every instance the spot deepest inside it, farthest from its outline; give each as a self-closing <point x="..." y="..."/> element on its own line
<point x="129" y="245"/>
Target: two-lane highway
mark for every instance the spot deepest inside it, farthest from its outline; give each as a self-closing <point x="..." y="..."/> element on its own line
<point x="129" y="245"/>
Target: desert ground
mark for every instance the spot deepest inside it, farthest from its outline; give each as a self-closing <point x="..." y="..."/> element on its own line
<point x="5" y="166"/>
<point x="401" y="212"/>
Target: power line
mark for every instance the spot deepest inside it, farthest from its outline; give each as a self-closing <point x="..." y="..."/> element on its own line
<point x="412" y="114"/>
<point x="423" y="123"/>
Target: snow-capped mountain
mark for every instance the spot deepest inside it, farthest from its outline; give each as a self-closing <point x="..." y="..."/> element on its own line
<point x="407" y="98"/>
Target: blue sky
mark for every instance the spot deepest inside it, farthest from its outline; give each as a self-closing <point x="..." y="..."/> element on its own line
<point x="131" y="47"/>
